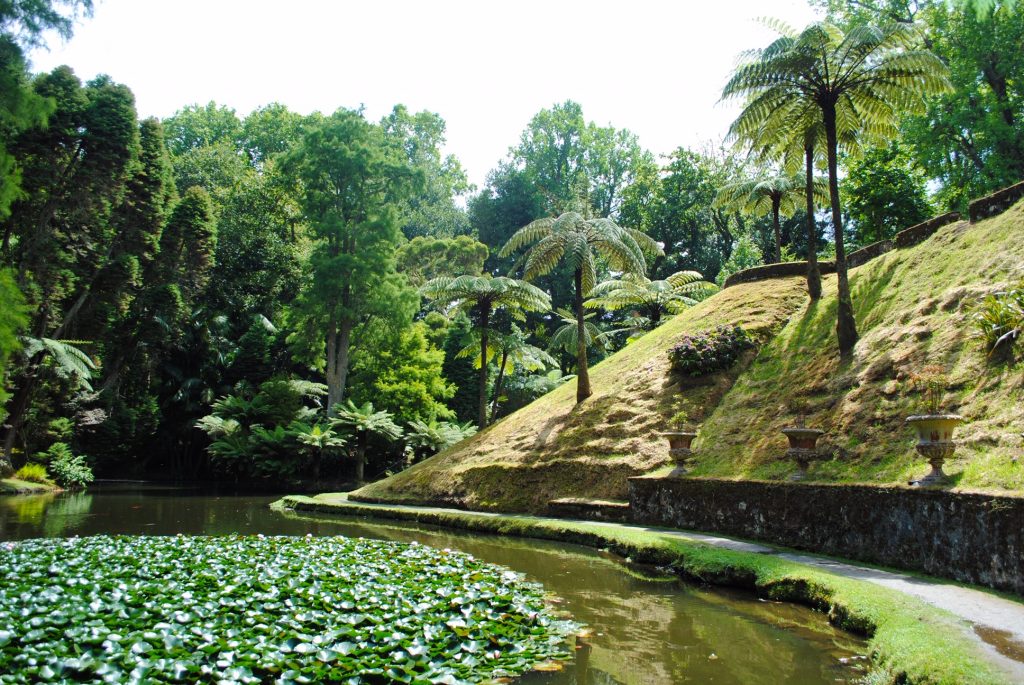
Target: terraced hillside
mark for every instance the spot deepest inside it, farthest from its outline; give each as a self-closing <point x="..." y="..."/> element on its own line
<point x="914" y="308"/>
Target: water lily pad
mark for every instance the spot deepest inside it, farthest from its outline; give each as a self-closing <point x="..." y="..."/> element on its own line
<point x="260" y="609"/>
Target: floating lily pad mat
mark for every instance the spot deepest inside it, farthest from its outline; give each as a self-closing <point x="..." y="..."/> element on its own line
<point x="265" y="609"/>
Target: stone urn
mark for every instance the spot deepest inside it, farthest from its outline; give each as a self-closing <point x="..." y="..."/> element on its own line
<point x="935" y="443"/>
<point x="802" y="447"/>
<point x="679" y="448"/>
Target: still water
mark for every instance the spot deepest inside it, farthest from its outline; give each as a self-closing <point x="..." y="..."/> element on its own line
<point x="646" y="628"/>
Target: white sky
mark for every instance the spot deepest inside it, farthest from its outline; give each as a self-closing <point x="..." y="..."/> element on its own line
<point x="656" y="68"/>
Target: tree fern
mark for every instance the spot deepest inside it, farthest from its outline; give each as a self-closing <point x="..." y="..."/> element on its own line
<point x="857" y="83"/>
<point x="577" y="241"/>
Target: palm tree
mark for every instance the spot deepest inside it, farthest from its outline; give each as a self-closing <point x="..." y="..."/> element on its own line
<point x="317" y="439"/>
<point x="510" y="351"/>
<point x="566" y="337"/>
<point x="361" y="422"/>
<point x="483" y="295"/>
<point x="431" y="437"/>
<point x="653" y="299"/>
<point x="861" y="81"/>
<point x="580" y="241"/>
<point x="768" y="192"/>
<point x="69" y="363"/>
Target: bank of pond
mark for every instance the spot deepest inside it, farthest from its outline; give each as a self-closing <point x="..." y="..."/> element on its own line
<point x="221" y="588"/>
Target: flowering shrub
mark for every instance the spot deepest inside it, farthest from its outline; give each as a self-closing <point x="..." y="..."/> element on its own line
<point x="704" y="353"/>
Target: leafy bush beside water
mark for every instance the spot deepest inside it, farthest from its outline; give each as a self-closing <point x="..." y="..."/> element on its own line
<point x="255" y="609"/>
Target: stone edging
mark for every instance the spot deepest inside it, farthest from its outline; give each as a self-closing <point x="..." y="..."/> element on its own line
<point x="969" y="537"/>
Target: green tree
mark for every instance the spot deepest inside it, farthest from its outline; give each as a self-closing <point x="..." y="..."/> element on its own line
<point x="433" y="211"/>
<point x="350" y="183"/>
<point x="768" y="192"/>
<point x="481" y="296"/>
<point x="675" y="206"/>
<point x="509" y="352"/>
<point x="866" y="78"/>
<point x="652" y="299"/>
<point x="745" y="255"/>
<point x="884" y="193"/>
<point x="579" y="242"/>
<point x="362" y="422"/>
<point x="425" y="258"/>
<point x="401" y="372"/>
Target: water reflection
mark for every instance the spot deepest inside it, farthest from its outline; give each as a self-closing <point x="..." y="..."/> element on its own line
<point x="645" y="628"/>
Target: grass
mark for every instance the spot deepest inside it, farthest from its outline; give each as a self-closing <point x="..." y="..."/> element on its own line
<point x="554" y="448"/>
<point x="914" y="308"/>
<point x="14" y="486"/>
<point x="911" y="642"/>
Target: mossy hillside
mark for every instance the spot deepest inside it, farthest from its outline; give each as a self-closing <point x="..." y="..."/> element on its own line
<point x="914" y="308"/>
<point x="554" y="448"/>
<point x="911" y="642"/>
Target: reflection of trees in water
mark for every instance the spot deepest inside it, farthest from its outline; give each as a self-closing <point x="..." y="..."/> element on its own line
<point x="66" y="513"/>
<point x="25" y="509"/>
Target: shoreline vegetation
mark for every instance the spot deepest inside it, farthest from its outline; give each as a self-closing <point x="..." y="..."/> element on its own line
<point x="910" y="641"/>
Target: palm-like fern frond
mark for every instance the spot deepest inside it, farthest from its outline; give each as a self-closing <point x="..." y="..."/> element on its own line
<point x="672" y="295"/>
<point x="352" y="418"/>
<point x="68" y="360"/>
<point x="470" y="291"/>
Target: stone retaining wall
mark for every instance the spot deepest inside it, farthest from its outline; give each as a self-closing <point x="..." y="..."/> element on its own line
<point x="919" y="232"/>
<point x="968" y="537"/>
<point x="996" y="203"/>
<point x="777" y="270"/>
<point x="866" y="254"/>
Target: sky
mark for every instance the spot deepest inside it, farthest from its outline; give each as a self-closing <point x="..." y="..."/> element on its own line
<point x="655" y="68"/>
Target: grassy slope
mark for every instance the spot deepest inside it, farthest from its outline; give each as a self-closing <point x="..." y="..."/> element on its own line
<point x="913" y="308"/>
<point x="553" y="448"/>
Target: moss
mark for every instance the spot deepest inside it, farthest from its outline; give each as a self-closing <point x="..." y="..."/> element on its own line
<point x="911" y="642"/>
<point x="14" y="486"/>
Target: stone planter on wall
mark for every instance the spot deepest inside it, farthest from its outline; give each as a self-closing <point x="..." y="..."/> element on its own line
<point x="802" y="447"/>
<point x="679" y="448"/>
<point x="935" y="443"/>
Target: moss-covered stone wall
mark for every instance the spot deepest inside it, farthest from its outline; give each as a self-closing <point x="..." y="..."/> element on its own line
<point x="973" y="538"/>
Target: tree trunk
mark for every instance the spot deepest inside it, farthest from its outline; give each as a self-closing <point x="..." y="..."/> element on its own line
<point x="360" y="456"/>
<point x="846" y="325"/>
<point x="813" y="272"/>
<point x="583" y="390"/>
<point x="777" y="228"/>
<point x="339" y="341"/>
<point x="18" y="411"/>
<point x="485" y="315"/>
<point x="497" y="383"/>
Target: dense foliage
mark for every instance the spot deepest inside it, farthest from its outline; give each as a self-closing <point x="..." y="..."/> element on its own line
<point x="701" y="354"/>
<point x="160" y="276"/>
<point x="173" y="609"/>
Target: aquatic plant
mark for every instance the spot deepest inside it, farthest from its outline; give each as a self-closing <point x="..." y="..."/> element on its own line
<point x="265" y="609"/>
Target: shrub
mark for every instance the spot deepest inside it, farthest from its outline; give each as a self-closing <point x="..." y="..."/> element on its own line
<point x="33" y="473"/>
<point x="704" y="353"/>
<point x="1000" y="320"/>
<point x="68" y="469"/>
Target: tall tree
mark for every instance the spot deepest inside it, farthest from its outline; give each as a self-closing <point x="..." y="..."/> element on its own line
<point x="351" y="182"/>
<point x="481" y="296"/>
<point x="768" y="192"/>
<point x="867" y="78"/>
<point x="579" y="242"/>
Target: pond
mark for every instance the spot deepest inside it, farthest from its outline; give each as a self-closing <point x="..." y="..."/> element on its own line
<point x="645" y="627"/>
